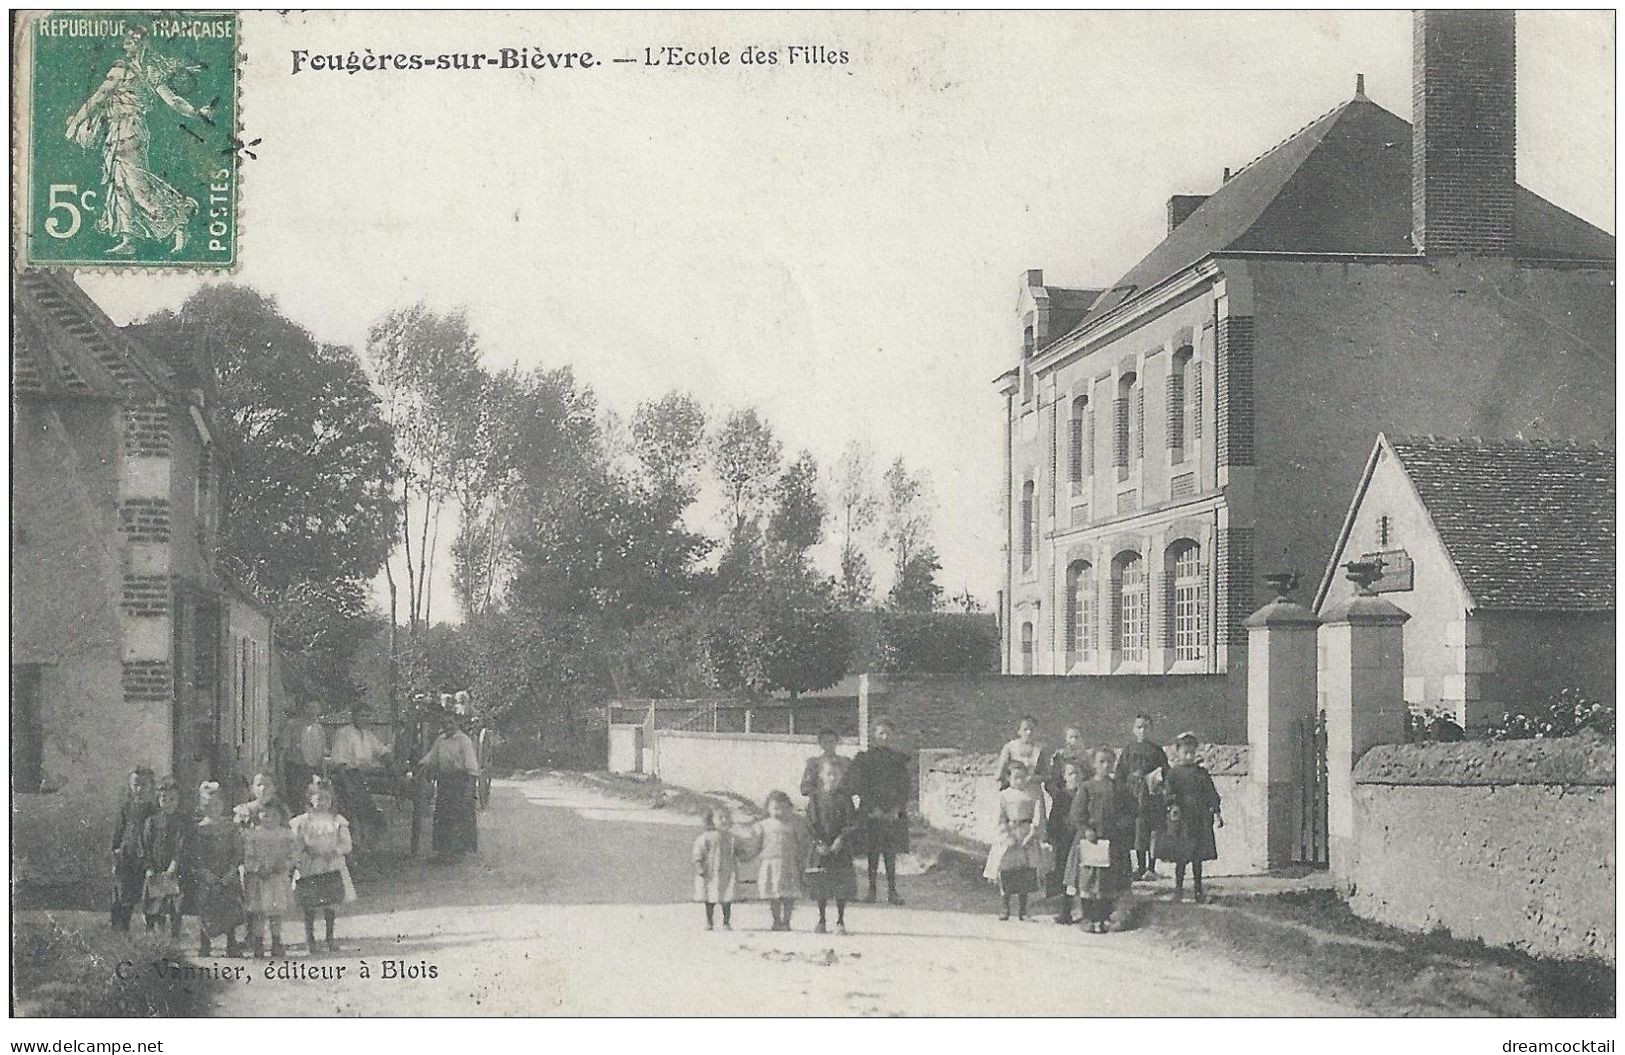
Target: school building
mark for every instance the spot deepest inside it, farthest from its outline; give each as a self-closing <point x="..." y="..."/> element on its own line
<point x="129" y="643"/>
<point x="1204" y="419"/>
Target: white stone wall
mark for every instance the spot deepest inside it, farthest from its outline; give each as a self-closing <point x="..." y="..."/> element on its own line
<point x="1500" y="842"/>
<point x="748" y="764"/>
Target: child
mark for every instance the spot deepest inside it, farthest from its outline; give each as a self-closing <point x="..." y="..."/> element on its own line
<point x="1193" y="812"/>
<point x="783" y="854"/>
<point x="716" y="866"/>
<point x="323" y="839"/>
<point x="1061" y="834"/>
<point x="833" y="823"/>
<point x="1101" y="811"/>
<point x="1014" y="859"/>
<point x="261" y="790"/>
<point x="163" y="843"/>
<point x="214" y="858"/>
<point x="269" y="854"/>
<point x="129" y="868"/>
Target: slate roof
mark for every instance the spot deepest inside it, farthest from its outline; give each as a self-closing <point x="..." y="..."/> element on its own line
<point x="1528" y="525"/>
<point x="1340" y="184"/>
<point x="65" y="346"/>
<point x="1068" y="307"/>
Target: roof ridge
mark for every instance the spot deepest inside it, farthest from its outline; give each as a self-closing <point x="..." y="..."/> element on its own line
<point x="1507" y="442"/>
<point x="1345" y="104"/>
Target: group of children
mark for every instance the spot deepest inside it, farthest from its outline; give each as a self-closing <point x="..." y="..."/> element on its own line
<point x="1079" y="830"/>
<point x="793" y="855"/>
<point x="244" y="867"/>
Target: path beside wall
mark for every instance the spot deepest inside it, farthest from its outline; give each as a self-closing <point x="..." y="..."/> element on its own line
<point x="1509" y="842"/>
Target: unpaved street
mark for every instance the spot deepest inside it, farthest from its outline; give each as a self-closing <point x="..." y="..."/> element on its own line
<point x="578" y="904"/>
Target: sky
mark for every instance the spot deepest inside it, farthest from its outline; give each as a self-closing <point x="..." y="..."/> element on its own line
<point x="839" y="246"/>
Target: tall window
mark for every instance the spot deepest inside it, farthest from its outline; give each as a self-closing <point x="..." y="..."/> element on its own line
<point x="1187" y="604"/>
<point x="1029" y="524"/>
<point x="1026" y="648"/>
<point x="1178" y="382"/>
<point x="1080" y="609"/>
<point x="1133" y="607"/>
<point x="1126" y="436"/>
<point x="1077" y="430"/>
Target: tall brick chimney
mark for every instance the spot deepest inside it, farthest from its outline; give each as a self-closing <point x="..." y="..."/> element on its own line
<point x="1464" y="142"/>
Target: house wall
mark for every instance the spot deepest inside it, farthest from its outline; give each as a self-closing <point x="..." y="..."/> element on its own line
<point x="1536" y="654"/>
<point x="66" y="572"/>
<point x="1456" y="346"/>
<point x="1511" y="843"/>
<point x="1435" y="635"/>
<point x="246" y="732"/>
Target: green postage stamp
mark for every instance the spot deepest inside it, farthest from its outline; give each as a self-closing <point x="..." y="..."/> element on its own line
<point x="127" y="153"/>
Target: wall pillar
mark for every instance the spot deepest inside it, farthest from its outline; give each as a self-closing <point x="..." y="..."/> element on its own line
<point x="1362" y="682"/>
<point x="1281" y="692"/>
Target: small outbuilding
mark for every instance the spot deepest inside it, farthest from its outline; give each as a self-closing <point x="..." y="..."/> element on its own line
<point x="1502" y="551"/>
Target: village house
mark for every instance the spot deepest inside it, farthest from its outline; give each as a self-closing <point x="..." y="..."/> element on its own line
<point x="128" y="644"/>
<point x="1502" y="553"/>
<point x="1201" y="422"/>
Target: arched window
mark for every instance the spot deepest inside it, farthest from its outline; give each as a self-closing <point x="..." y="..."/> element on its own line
<point x="1029" y="523"/>
<point x="1128" y="414"/>
<point x="1178" y="379"/>
<point x="1080" y="609"/>
<point x="1187" y="600"/>
<point x="1027" y="342"/>
<point x="1026" y="648"/>
<point x="1132" y="607"/>
<point x="1077" y="440"/>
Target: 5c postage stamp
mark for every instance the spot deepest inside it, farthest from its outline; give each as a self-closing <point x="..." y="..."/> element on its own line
<point x="126" y="153"/>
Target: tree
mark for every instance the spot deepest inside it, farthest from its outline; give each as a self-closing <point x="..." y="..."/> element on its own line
<point x="906" y="519"/>
<point x="308" y="509"/>
<point x="805" y="648"/>
<point x="745" y="456"/>
<point x="854" y="506"/>
<point x="916" y="588"/>
<point x="668" y="437"/>
<point x="797" y="521"/>
<point x="428" y="368"/>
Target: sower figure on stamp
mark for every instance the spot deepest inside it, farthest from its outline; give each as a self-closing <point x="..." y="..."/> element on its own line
<point x="879" y="777"/>
<point x="1135" y="763"/>
<point x="137" y="202"/>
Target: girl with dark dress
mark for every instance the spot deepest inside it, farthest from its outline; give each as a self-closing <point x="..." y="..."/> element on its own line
<point x="1101" y="812"/>
<point x="1059" y="832"/>
<point x="832" y="824"/>
<point x="214" y="856"/>
<point x="129" y="869"/>
<point x="1193" y="812"/>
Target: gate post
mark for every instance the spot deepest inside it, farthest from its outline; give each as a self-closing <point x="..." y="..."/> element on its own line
<point x="1281" y="691"/>
<point x="1363" y="684"/>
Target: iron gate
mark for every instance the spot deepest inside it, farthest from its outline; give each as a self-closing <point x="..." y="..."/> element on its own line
<point x="1309" y="734"/>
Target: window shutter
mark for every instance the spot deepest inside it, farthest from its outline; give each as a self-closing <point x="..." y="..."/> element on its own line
<point x="1139" y="422"/>
<point x="1120" y="432"/>
<point x="1176" y="410"/>
<point x="1196" y="404"/>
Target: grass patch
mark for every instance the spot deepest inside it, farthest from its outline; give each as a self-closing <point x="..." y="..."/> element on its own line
<point x="1312" y="937"/>
<point x="63" y="970"/>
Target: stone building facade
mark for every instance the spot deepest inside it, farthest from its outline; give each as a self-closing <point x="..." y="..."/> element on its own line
<point x="1201" y="422"/>
<point x="128" y="645"/>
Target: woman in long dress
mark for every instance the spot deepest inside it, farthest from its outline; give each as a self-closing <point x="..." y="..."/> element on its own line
<point x="455" y="766"/>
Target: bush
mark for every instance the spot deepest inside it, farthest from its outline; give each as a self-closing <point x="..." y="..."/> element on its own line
<point x="63" y="971"/>
<point x="1566" y="714"/>
<point x="939" y="643"/>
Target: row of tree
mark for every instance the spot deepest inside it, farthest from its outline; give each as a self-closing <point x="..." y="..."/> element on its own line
<point x="581" y="563"/>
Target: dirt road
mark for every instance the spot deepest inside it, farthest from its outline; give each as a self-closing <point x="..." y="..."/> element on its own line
<point x="577" y="904"/>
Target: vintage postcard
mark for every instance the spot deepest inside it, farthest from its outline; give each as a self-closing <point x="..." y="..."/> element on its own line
<point x="812" y="514"/>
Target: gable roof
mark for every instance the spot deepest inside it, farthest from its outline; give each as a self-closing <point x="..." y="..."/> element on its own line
<point x="1527" y="526"/>
<point x="1340" y="184"/>
<point x="66" y="346"/>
